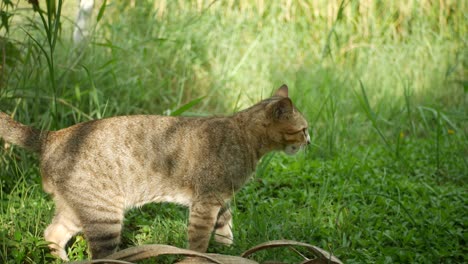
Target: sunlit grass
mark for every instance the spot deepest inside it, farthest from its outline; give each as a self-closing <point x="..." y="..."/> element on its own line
<point x="382" y="84"/>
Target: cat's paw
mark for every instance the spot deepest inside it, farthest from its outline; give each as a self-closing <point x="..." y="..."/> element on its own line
<point x="59" y="253"/>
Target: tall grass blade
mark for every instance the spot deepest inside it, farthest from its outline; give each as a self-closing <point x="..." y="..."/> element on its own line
<point x="326" y="50"/>
<point x="364" y="101"/>
<point x="102" y="9"/>
<point x="438" y="135"/>
<point x="407" y="95"/>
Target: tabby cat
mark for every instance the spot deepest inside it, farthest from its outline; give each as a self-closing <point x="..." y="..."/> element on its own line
<point x="98" y="169"/>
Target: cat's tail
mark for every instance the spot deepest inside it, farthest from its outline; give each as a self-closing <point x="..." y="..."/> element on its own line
<point x="19" y="134"/>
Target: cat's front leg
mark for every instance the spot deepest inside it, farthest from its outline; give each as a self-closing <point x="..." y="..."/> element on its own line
<point x="223" y="227"/>
<point x="203" y="216"/>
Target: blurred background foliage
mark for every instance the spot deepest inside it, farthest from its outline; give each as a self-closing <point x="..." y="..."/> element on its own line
<point x="382" y="83"/>
<point x="152" y="55"/>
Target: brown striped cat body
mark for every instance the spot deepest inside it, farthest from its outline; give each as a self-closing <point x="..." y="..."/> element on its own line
<point x="97" y="170"/>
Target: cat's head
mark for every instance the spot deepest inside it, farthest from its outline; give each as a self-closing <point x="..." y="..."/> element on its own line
<point x="287" y="128"/>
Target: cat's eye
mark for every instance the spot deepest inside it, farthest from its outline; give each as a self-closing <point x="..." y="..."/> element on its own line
<point x="304" y="130"/>
<point x="294" y="133"/>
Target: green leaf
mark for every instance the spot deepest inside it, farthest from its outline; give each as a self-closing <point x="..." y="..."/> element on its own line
<point x="17" y="235"/>
<point x="4" y="16"/>
<point x="186" y="106"/>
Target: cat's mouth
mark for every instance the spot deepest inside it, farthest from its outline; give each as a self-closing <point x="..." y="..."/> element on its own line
<point x="292" y="149"/>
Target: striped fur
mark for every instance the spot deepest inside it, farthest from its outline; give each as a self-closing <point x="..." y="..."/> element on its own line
<point x="97" y="170"/>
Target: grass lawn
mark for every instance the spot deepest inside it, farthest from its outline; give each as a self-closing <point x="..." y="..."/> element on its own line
<point x="382" y="84"/>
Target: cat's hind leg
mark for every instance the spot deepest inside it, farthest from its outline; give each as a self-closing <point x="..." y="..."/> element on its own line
<point x="102" y="227"/>
<point x="223" y="227"/>
<point x="64" y="226"/>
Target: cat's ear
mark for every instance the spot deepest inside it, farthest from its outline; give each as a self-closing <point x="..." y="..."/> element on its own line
<point x="282" y="91"/>
<point x="283" y="109"/>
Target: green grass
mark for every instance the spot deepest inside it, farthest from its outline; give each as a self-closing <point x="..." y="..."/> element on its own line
<point x="382" y="84"/>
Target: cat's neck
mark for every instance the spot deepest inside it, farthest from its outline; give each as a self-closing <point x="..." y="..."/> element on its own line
<point x="254" y="131"/>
